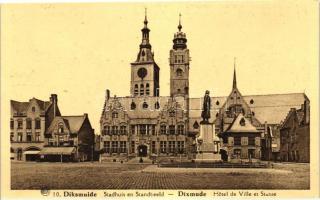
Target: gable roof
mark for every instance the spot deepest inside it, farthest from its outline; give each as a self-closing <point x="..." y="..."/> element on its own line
<point x="74" y="123"/>
<point x="246" y="127"/>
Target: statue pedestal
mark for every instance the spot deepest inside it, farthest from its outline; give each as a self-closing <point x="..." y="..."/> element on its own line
<point x="208" y="145"/>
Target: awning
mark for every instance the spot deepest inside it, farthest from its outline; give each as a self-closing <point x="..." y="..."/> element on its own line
<point x="57" y="151"/>
<point x="31" y="152"/>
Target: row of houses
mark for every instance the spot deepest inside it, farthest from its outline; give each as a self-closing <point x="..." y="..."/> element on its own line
<point x="38" y="132"/>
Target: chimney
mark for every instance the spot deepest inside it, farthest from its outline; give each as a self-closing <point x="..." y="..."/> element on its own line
<point x="85" y="115"/>
<point x="54" y="101"/>
<point x="107" y="94"/>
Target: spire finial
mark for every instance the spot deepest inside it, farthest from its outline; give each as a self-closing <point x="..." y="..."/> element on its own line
<point x="234" y="85"/>
<point x="180" y="26"/>
<point x="145" y="16"/>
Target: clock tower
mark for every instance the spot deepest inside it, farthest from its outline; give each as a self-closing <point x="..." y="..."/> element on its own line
<point x="179" y="64"/>
<point x="145" y="71"/>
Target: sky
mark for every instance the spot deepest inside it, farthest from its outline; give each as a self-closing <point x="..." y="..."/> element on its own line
<point x="79" y="50"/>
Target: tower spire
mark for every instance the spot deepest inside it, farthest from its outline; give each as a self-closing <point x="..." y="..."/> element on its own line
<point x="180" y="26"/>
<point x="234" y="85"/>
<point x="145" y="18"/>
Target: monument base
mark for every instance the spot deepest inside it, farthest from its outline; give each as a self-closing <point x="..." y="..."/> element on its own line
<point x="208" y="157"/>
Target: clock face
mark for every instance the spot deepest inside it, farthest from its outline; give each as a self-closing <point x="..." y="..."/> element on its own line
<point x="142" y="72"/>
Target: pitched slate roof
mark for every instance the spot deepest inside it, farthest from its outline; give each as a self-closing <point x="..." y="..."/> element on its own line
<point x="74" y="123"/>
<point x="238" y="127"/>
<point x="272" y="108"/>
<point x="21" y="107"/>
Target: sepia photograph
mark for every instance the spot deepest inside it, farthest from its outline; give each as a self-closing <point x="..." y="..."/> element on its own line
<point x="217" y="96"/>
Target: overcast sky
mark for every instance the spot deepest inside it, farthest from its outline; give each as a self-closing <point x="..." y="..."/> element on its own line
<point x="79" y="50"/>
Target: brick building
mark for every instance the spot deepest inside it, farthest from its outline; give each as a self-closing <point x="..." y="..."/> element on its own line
<point x="38" y="130"/>
<point x="295" y="135"/>
<point x="148" y="124"/>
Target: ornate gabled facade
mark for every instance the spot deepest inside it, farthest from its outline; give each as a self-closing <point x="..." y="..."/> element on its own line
<point x="148" y="124"/>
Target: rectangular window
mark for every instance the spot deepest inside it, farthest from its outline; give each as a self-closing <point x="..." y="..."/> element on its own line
<point x="11" y="124"/>
<point x="171" y="146"/>
<point x="123" y="130"/>
<point x="163" y="146"/>
<point x="20" y="124"/>
<point x="106" y="146"/>
<point x="114" y="115"/>
<point x="251" y="141"/>
<point x="181" y="129"/>
<point x="163" y="129"/>
<point x="114" y="147"/>
<point x="132" y="129"/>
<point x="123" y="146"/>
<point x="51" y="142"/>
<point x="38" y="123"/>
<point x="114" y="130"/>
<point x="11" y="136"/>
<point x="29" y="137"/>
<point x="133" y="146"/>
<point x="29" y="122"/>
<point x="172" y="129"/>
<point x="153" y="129"/>
<point x="19" y="137"/>
<point x="37" y="137"/>
<point x="180" y="147"/>
<point x="153" y="147"/>
<point x="143" y="130"/>
<point x="237" y="140"/>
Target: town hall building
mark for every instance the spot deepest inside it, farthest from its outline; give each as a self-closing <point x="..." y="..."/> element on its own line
<point x="146" y="124"/>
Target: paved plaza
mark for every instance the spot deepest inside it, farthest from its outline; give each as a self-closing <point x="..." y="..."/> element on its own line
<point x="96" y="175"/>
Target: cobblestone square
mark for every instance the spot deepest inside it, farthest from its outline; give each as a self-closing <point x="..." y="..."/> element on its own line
<point x="143" y="176"/>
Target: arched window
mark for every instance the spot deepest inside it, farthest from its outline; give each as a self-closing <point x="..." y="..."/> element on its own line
<point x="133" y="106"/>
<point x="147" y="89"/>
<point x="60" y="128"/>
<point x="141" y="89"/>
<point x="157" y="105"/>
<point x="179" y="72"/>
<point x="217" y="103"/>
<point x="144" y="105"/>
<point x="251" y="101"/>
<point x="33" y="109"/>
<point x="196" y="125"/>
<point x="136" y="89"/>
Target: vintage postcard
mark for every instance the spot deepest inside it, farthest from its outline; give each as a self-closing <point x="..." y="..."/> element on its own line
<point x="160" y="99"/>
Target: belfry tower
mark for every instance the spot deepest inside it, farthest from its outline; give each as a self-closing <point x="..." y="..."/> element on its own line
<point x="179" y="64"/>
<point x="145" y="71"/>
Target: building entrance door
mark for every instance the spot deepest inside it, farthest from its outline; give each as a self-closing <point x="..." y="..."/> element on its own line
<point x="142" y="150"/>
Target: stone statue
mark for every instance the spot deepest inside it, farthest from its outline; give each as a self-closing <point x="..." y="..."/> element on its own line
<point x="206" y="108"/>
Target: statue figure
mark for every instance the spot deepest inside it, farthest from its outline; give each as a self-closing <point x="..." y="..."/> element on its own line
<point x="206" y="108"/>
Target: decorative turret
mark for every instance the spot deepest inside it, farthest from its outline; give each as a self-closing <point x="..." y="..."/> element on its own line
<point x="179" y="40"/>
<point x="179" y="64"/>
